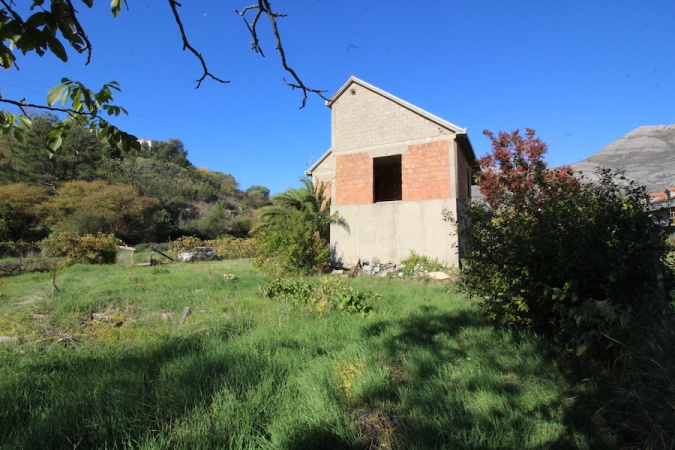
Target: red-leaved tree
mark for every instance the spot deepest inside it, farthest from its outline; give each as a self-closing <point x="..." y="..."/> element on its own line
<point x="556" y="253"/>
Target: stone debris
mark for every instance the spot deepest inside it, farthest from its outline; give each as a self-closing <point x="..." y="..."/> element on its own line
<point x="376" y="268"/>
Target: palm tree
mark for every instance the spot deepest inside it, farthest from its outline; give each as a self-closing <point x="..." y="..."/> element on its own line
<point x="309" y="199"/>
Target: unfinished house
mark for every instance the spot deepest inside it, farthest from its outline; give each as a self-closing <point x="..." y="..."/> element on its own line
<point x="392" y="170"/>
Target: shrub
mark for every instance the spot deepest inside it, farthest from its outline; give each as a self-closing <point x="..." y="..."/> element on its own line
<point x="87" y="249"/>
<point x="227" y="248"/>
<point x="291" y="245"/>
<point x="565" y="257"/>
<point x="422" y="263"/>
<point x="321" y="295"/>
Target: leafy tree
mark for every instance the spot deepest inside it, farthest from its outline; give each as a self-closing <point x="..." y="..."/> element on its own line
<point x="170" y="182"/>
<point x="21" y="212"/>
<point x="82" y="207"/>
<point x="79" y="157"/>
<point x="256" y="197"/>
<point x="172" y="151"/>
<point x="556" y="253"/>
<point x="40" y="29"/>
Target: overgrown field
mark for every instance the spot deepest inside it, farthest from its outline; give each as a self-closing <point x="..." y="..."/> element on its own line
<point x="103" y="363"/>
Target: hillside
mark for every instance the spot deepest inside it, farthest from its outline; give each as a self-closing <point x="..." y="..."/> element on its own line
<point x="647" y="154"/>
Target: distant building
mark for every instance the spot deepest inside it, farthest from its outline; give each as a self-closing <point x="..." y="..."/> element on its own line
<point x="662" y="207"/>
<point x="148" y="142"/>
<point x="391" y="172"/>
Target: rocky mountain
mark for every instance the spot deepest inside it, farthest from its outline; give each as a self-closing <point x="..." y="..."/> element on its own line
<point x="647" y="154"/>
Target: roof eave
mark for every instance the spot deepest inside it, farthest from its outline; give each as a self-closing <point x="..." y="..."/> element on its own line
<point x="311" y="170"/>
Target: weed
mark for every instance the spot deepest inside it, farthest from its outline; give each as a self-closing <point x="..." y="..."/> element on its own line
<point x="416" y="264"/>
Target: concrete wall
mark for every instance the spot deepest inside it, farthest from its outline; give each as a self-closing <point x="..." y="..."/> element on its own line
<point x="365" y="119"/>
<point x="388" y="231"/>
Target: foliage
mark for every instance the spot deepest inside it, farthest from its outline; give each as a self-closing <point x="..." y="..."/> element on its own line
<point x="256" y="197"/>
<point x="193" y="201"/>
<point x="88" y="249"/>
<point x="172" y="151"/>
<point x="559" y="255"/>
<point x="309" y="199"/>
<point x="422" y="262"/>
<point x="21" y="212"/>
<point x="79" y="157"/>
<point x="82" y="207"/>
<point x="20" y="249"/>
<point x="227" y="248"/>
<point x="321" y="294"/>
<point x="293" y="232"/>
<point x="291" y="245"/>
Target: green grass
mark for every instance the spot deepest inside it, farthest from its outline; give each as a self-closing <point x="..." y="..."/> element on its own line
<point x="101" y="366"/>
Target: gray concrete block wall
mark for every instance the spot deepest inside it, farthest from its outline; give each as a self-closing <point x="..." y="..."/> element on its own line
<point x="366" y="119"/>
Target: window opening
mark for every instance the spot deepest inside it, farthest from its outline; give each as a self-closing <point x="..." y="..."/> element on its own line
<point x="387" y="178"/>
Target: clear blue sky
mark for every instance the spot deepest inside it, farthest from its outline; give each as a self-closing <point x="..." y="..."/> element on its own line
<point x="582" y="73"/>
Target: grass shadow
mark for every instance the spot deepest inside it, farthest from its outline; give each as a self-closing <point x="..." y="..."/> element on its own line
<point x="458" y="382"/>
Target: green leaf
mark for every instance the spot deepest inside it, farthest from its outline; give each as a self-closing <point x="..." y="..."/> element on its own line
<point x="55" y="94"/>
<point x="6" y="57"/>
<point x="55" y="143"/>
<point x="36" y="20"/>
<point x="581" y="348"/>
<point x="25" y="122"/>
<point x="57" y="48"/>
<point x="18" y="135"/>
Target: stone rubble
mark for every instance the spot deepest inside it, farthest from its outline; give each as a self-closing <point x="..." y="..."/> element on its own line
<point x="376" y="268"/>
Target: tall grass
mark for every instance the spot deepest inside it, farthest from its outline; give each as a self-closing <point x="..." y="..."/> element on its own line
<point x="104" y="364"/>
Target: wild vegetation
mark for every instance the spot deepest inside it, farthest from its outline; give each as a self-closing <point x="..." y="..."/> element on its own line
<point x="292" y="234"/>
<point x="148" y="194"/>
<point x="108" y="363"/>
<point x="582" y="264"/>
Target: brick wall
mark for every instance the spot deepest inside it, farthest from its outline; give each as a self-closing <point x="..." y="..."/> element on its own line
<point x="353" y="179"/>
<point x="426" y="171"/>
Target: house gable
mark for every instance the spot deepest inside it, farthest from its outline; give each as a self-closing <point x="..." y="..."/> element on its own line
<point x="394" y="171"/>
<point x="364" y="116"/>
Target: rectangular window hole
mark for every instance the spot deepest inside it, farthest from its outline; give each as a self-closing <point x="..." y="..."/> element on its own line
<point x="387" y="178"/>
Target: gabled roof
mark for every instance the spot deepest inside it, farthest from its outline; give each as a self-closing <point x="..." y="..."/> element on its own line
<point x="319" y="161"/>
<point x="460" y="132"/>
<point x="435" y="119"/>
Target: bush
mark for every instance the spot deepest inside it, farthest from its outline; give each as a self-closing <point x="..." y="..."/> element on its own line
<point x="564" y="257"/>
<point x="321" y="295"/>
<point x="423" y="263"/>
<point x="87" y="249"/>
<point x="291" y="245"/>
<point x="227" y="248"/>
